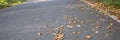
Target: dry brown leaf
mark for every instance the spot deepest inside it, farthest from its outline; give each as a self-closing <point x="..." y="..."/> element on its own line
<point x="99" y="27"/>
<point x="81" y="22"/>
<point x="90" y="21"/>
<point x="78" y="25"/>
<point x="103" y="20"/>
<point x="47" y="33"/>
<point x="97" y="22"/>
<point x="88" y="37"/>
<point x="107" y="35"/>
<point x="62" y="27"/>
<point x="108" y="27"/>
<point x="118" y="18"/>
<point x="111" y="23"/>
<point x="54" y="34"/>
<point x="39" y="33"/>
<point x="58" y="36"/>
<point x="76" y="32"/>
<point x="70" y="26"/>
<point x="76" y="18"/>
<point x="110" y="20"/>
<point x="95" y="31"/>
<point x="70" y="23"/>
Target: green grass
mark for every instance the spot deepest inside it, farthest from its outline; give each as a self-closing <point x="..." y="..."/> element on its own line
<point x="9" y="3"/>
<point x="114" y="3"/>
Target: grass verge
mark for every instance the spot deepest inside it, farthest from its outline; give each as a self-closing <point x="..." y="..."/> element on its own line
<point x="9" y="3"/>
<point x="114" y="3"/>
<point x="109" y="7"/>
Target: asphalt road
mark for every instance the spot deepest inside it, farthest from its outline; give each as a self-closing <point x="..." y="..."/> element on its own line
<point x="24" y="21"/>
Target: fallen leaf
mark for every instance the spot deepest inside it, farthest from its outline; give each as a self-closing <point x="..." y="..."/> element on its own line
<point x="118" y="18"/>
<point x="54" y="34"/>
<point x="76" y="18"/>
<point x="58" y="36"/>
<point x="47" y="33"/>
<point x="108" y="27"/>
<point x="88" y="37"/>
<point x="95" y="31"/>
<point x="110" y="20"/>
<point x="39" y="33"/>
<point x="78" y="25"/>
<point x="89" y="21"/>
<point x="97" y="22"/>
<point x="70" y="26"/>
<point x="81" y="22"/>
<point x="62" y="26"/>
<point x="107" y="35"/>
<point x="103" y="20"/>
<point x="111" y="23"/>
<point x="70" y="23"/>
<point x="76" y="32"/>
<point x="99" y="27"/>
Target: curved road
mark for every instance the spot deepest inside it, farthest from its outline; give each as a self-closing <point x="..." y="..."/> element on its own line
<point x="24" y="21"/>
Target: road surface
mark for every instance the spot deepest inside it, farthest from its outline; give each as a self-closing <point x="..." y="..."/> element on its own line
<point x="24" y="21"/>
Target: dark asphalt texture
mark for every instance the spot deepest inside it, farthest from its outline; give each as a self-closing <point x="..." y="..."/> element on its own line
<point x="24" y="21"/>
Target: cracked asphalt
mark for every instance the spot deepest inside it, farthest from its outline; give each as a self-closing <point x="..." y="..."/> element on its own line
<point x="23" y="22"/>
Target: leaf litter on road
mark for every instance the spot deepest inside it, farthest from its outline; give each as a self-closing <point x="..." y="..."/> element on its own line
<point x="58" y="32"/>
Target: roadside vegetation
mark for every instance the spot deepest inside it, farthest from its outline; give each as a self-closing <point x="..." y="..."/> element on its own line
<point x="112" y="7"/>
<point x="114" y="3"/>
<point x="9" y="3"/>
<point x="109" y="7"/>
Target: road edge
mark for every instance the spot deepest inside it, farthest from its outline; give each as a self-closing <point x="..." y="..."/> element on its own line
<point x="113" y="17"/>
